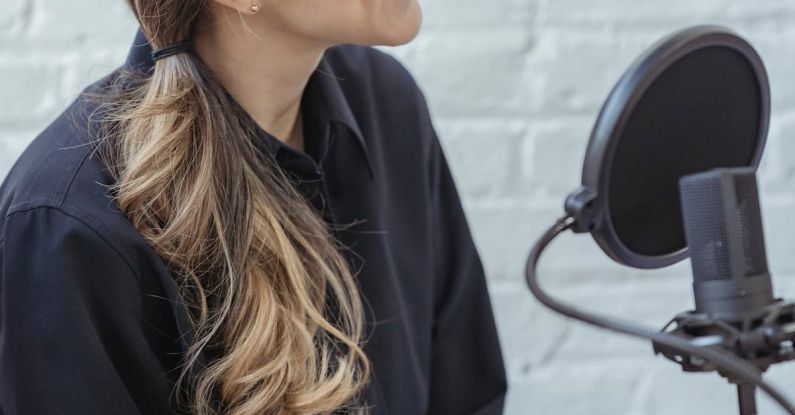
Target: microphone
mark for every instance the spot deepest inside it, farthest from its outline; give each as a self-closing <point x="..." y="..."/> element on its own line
<point x="734" y="305"/>
<point x="669" y="173"/>
<point x="723" y="229"/>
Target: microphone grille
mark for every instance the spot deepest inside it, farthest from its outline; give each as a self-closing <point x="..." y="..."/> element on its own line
<point x="705" y="227"/>
<point x="751" y="224"/>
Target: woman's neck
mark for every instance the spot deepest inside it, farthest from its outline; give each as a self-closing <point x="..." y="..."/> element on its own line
<point x="263" y="68"/>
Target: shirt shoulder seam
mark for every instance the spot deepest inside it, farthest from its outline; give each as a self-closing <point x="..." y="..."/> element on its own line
<point x="66" y="184"/>
<point x="60" y="192"/>
<point x="88" y="220"/>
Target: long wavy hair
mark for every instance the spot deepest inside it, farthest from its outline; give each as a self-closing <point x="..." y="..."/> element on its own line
<point x="263" y="278"/>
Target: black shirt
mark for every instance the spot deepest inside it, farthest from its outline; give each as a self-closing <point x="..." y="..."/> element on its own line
<point x="90" y="318"/>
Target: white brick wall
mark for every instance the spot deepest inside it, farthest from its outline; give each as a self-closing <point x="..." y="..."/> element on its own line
<point x="514" y="87"/>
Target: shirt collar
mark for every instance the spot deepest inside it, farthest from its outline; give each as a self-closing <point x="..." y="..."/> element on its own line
<point x="323" y="85"/>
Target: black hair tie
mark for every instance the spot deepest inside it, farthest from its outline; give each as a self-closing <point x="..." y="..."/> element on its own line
<point x="172" y="49"/>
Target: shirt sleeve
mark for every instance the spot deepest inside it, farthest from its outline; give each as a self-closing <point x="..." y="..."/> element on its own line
<point x="68" y="326"/>
<point x="467" y="373"/>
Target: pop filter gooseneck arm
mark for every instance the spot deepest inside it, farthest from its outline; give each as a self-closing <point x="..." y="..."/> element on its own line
<point x="740" y="369"/>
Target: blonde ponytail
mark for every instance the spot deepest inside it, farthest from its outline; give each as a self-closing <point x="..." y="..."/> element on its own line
<point x="252" y="258"/>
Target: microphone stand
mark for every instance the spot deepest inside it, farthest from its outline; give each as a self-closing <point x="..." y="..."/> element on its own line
<point x="746" y="395"/>
<point x="697" y="342"/>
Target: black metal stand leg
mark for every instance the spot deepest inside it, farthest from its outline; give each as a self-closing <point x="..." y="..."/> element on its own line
<point x="746" y="394"/>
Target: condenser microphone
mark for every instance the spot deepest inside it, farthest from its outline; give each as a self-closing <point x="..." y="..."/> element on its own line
<point x="669" y="174"/>
<point x="723" y="228"/>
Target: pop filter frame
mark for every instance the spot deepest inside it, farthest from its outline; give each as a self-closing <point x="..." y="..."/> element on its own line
<point x="590" y="204"/>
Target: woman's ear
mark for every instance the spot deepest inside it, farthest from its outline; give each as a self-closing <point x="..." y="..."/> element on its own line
<point x="241" y="6"/>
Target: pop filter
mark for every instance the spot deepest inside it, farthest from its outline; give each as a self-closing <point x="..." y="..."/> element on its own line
<point x="697" y="100"/>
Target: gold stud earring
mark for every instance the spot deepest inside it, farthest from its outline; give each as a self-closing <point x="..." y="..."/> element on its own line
<point x="254" y="7"/>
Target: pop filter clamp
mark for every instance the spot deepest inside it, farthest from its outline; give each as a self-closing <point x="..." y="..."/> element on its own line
<point x="696" y="101"/>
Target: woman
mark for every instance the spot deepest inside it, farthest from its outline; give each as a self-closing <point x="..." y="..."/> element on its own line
<point x="247" y="217"/>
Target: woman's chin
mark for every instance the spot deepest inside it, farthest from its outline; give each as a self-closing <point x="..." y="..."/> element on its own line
<point x="405" y="32"/>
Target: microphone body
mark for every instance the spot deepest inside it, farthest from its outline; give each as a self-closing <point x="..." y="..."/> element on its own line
<point x="723" y="228"/>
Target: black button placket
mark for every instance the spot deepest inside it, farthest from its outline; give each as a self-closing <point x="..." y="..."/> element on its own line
<point x="317" y="192"/>
<point x="312" y="186"/>
<point x="324" y="200"/>
<point x="322" y="189"/>
<point x="328" y="212"/>
<point x="309" y="176"/>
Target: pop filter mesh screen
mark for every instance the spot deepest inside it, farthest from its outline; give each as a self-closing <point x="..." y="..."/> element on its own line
<point x="702" y="112"/>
